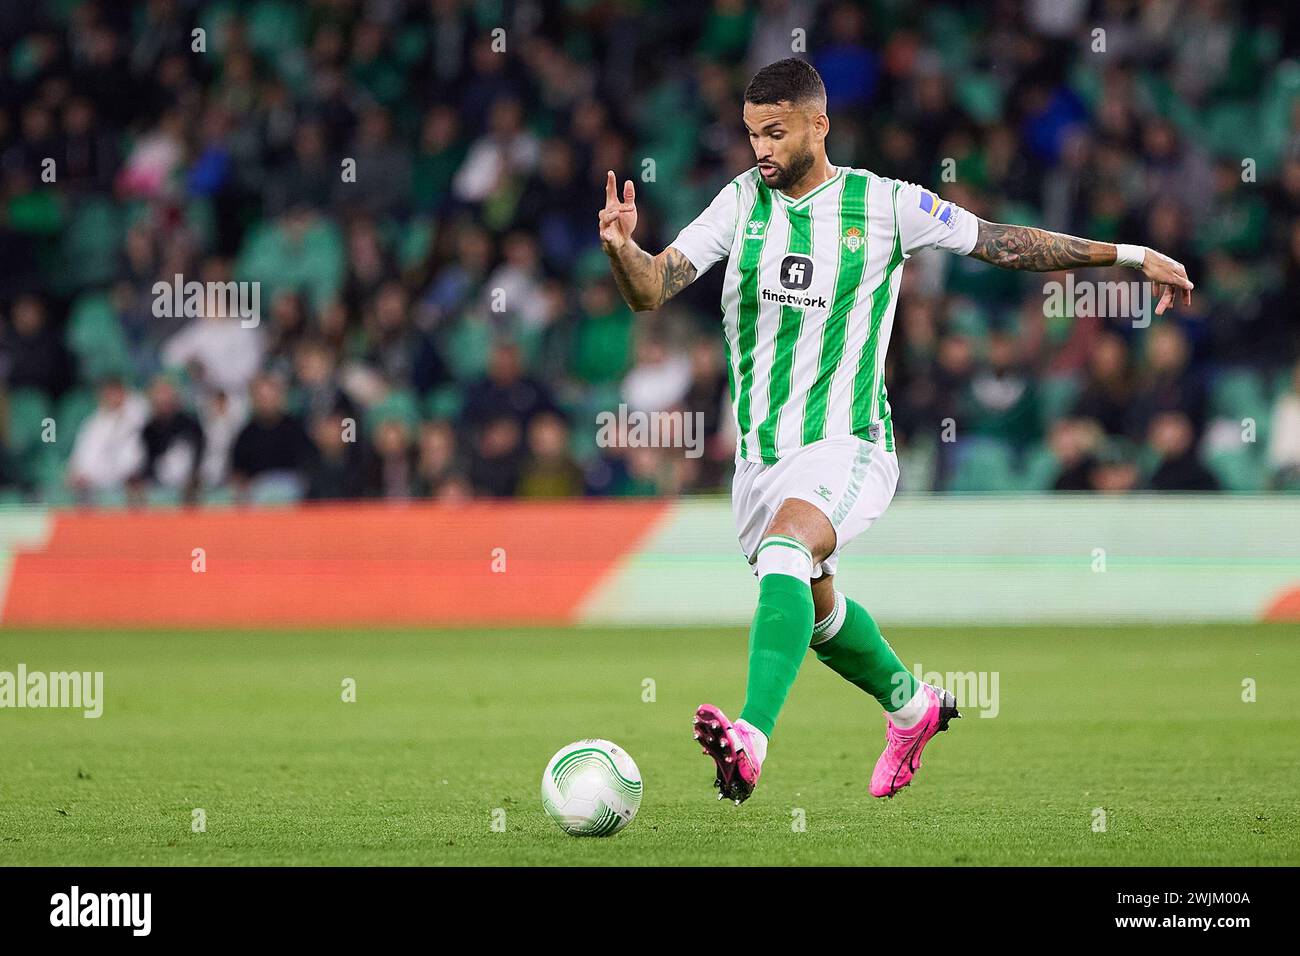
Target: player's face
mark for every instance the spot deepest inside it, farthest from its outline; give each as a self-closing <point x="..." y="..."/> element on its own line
<point x="785" y="141"/>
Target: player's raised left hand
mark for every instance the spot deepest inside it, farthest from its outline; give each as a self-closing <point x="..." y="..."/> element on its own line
<point x="1169" y="276"/>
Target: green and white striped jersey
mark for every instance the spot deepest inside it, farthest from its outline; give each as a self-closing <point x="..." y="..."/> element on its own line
<point x="809" y="296"/>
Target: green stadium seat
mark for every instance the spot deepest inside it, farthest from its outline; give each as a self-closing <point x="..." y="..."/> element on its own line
<point x="1239" y="394"/>
<point x="444" y="402"/>
<point x="1056" y="398"/>
<point x="468" y="346"/>
<point x="201" y="216"/>
<point x="56" y="494"/>
<point x="399" y="405"/>
<point x="159" y="497"/>
<point x="219" y="497"/>
<point x="1039" y="470"/>
<point x="1238" y="470"/>
<point x="28" y="409"/>
<point x="95" y="336"/>
<point x="73" y="409"/>
<point x="1146" y="458"/>
<point x="316" y="266"/>
<point x="49" y="462"/>
<point x="1283" y="381"/>
<point x="275" y="27"/>
<point x="980" y="94"/>
<point x="949" y="32"/>
<point x="1228" y="125"/>
<point x="91" y="242"/>
<point x="415" y="242"/>
<point x="983" y="467"/>
<point x="36" y="213"/>
<point x="273" y="493"/>
<point x="110" y="498"/>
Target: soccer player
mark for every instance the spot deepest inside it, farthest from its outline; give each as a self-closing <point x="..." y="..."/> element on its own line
<point x="814" y="261"/>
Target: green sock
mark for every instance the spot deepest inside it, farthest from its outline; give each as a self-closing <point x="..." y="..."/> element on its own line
<point x="860" y="654"/>
<point x="778" y="640"/>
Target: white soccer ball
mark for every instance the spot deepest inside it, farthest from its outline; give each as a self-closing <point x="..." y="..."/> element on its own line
<point x="591" y="788"/>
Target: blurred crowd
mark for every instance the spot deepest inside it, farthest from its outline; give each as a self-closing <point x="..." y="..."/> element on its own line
<point x="414" y="183"/>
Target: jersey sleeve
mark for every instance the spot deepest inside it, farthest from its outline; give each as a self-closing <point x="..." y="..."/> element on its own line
<point x="925" y="219"/>
<point x="708" y="238"/>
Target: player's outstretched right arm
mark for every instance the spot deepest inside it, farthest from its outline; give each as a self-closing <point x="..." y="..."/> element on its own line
<point x="645" y="281"/>
<point x="1038" y="250"/>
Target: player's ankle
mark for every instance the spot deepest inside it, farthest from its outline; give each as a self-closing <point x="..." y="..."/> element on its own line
<point x="757" y="739"/>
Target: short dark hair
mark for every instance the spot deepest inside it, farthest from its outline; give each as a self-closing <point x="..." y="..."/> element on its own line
<point x="790" y="80"/>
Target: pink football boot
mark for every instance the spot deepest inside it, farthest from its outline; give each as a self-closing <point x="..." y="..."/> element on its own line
<point x="729" y="746"/>
<point x="902" y="757"/>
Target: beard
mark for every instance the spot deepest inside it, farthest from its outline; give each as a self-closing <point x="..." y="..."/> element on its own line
<point x="793" y="171"/>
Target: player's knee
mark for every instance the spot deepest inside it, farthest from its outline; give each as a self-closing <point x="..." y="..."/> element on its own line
<point x="806" y="523"/>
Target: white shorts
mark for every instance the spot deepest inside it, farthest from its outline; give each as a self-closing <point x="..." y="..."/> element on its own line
<point x="850" y="479"/>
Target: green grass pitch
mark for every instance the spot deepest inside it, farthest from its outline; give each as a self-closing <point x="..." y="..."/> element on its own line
<point x="448" y="726"/>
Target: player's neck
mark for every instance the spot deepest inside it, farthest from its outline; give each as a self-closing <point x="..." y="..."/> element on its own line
<point x="820" y="172"/>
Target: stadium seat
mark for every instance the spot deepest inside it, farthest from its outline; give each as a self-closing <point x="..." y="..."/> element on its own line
<point x="444" y="402"/>
<point x="28" y="409"/>
<point x="56" y="494"/>
<point x="415" y="242"/>
<point x="1040" y="469"/>
<point x="90" y="244"/>
<point x="1282" y="383"/>
<point x="202" y="218"/>
<point x="73" y="409"/>
<point x="1238" y="470"/>
<point x="316" y="266"/>
<point x="218" y="497"/>
<point x="1228" y="125"/>
<point x="275" y="489"/>
<point x="983" y="467"/>
<point x="399" y="405"/>
<point x="1238" y="394"/>
<point x="981" y="95"/>
<point x="49" y="462"/>
<point x="468" y="344"/>
<point x="110" y="498"/>
<point x="1056" y="398"/>
<point x="275" y="27"/>
<point x="95" y="336"/>
<point x="160" y="497"/>
<point x="950" y="33"/>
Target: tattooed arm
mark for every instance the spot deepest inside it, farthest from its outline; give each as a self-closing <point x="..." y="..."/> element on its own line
<point x="1037" y="250"/>
<point x="645" y="281"/>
